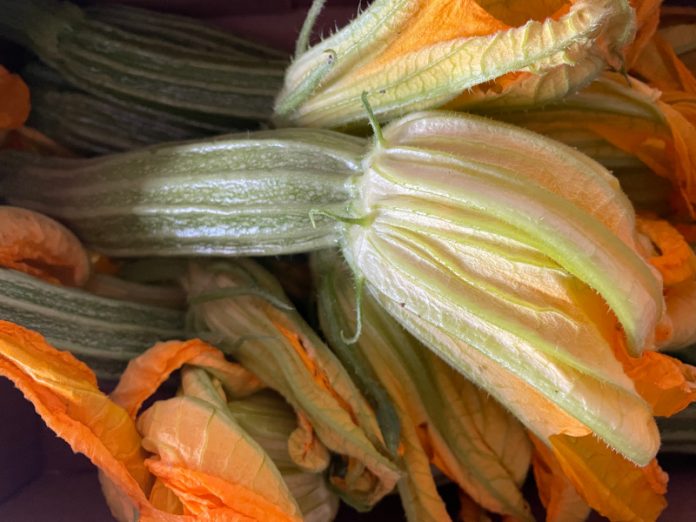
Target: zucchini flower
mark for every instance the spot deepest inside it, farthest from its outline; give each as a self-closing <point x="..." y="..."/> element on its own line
<point x="518" y="262"/>
<point x="661" y="62"/>
<point x="271" y="421"/>
<point x="445" y="420"/>
<point x="37" y="245"/>
<point x="410" y="55"/>
<point x="495" y="263"/>
<point x="513" y="257"/>
<point x="253" y="421"/>
<point x="146" y="473"/>
<point x="242" y="309"/>
<point x="259" y="425"/>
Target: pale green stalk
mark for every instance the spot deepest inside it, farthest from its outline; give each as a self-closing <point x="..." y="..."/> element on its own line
<point x="102" y="331"/>
<point x="243" y="194"/>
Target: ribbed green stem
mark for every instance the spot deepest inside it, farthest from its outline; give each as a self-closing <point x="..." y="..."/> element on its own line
<point x="105" y="333"/>
<point x="93" y="126"/>
<point x="180" y="31"/>
<point x="235" y="195"/>
<point x="104" y="59"/>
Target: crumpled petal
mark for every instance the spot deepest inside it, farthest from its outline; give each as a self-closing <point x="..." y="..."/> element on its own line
<point x="557" y="494"/>
<point x="65" y="394"/>
<point x="147" y="372"/>
<point x="666" y="383"/>
<point x="678" y="28"/>
<point x="270" y="420"/>
<point x="615" y="487"/>
<point x="40" y="246"/>
<point x="14" y="100"/>
<point x="675" y="260"/>
<point x="211" y="498"/>
<point x="681" y="303"/>
<point x="211" y="464"/>
<point x="647" y="21"/>
<point x="659" y="65"/>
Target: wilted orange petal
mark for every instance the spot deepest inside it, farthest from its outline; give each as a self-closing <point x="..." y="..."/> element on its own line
<point x="37" y="245"/>
<point x="675" y="261"/>
<point x="213" y="498"/>
<point x="684" y="139"/>
<point x="14" y="100"/>
<point x="147" y="372"/>
<point x="669" y="73"/>
<point x="648" y="141"/>
<point x="304" y="445"/>
<point x="612" y="485"/>
<point x="65" y="395"/>
<point x="647" y="20"/>
<point x="165" y="499"/>
<point x="662" y="68"/>
<point x="666" y="383"/>
<point x="681" y="303"/>
<point x="668" y="150"/>
<point x="557" y="494"/>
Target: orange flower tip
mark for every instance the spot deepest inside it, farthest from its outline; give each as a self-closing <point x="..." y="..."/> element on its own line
<point x="14" y="100"/>
<point x="40" y="246"/>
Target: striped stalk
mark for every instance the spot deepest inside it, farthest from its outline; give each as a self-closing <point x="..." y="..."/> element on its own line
<point x="93" y="126"/>
<point x="233" y="195"/>
<point x="223" y="84"/>
<point x="180" y="31"/>
<point x="104" y="333"/>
